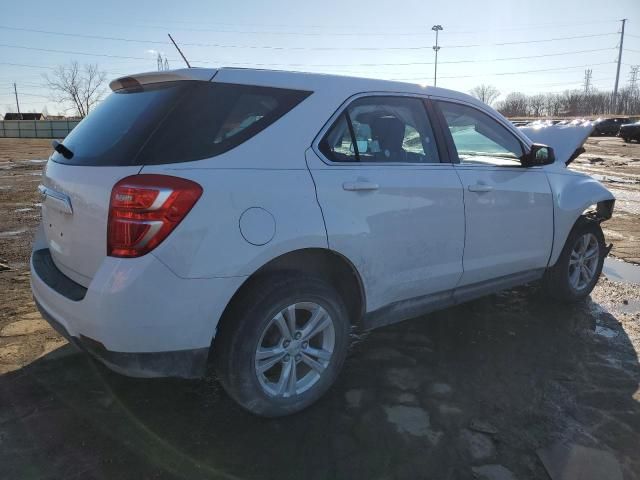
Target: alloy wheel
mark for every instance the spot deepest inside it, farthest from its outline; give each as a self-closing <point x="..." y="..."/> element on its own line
<point x="294" y="349"/>
<point x="583" y="261"/>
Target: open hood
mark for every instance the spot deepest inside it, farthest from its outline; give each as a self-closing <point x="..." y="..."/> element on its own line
<point x="566" y="140"/>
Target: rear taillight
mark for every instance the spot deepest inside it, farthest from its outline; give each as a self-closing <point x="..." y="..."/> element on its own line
<point x="144" y="209"/>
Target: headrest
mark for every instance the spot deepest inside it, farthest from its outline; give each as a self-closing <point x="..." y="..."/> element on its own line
<point x="389" y="131"/>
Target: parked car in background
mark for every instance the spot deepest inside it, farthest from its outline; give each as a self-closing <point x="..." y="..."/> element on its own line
<point x="609" y="126"/>
<point x="630" y="131"/>
<point x="251" y="218"/>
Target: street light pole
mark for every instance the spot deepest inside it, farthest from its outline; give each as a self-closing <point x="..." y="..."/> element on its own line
<point x="436" y="28"/>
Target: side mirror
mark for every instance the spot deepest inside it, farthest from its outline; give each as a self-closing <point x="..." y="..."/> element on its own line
<point x="539" y="155"/>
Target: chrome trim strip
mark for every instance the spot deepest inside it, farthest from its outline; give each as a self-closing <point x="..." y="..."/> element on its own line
<point x="61" y="200"/>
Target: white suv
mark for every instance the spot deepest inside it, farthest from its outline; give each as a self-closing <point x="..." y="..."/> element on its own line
<point x="251" y="218"/>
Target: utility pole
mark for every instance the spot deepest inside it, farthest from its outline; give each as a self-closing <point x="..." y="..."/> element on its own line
<point x="587" y="81"/>
<point x="15" y="90"/>
<point x="615" y="88"/>
<point x="436" y="28"/>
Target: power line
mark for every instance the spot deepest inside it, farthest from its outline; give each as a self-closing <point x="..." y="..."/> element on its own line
<point x="71" y="52"/>
<point x="293" y="48"/>
<point x="376" y="64"/>
<point x="46" y="67"/>
<point x="511" y="73"/>
<point x="521" y="42"/>
<point x="351" y="33"/>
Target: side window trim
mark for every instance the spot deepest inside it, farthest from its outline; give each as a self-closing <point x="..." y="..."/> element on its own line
<point x="444" y="143"/>
<point x="431" y="113"/>
<point x="354" y="140"/>
<point x="449" y="138"/>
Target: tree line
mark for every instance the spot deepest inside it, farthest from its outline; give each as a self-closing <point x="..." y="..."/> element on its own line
<point x="570" y="103"/>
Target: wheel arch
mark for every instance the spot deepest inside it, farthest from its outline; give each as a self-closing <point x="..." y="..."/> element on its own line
<point x="327" y="264"/>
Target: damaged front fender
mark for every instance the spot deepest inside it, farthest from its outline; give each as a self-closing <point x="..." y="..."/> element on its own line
<point x="576" y="194"/>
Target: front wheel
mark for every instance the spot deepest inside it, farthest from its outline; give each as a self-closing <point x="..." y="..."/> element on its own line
<point x="283" y="345"/>
<point x="578" y="268"/>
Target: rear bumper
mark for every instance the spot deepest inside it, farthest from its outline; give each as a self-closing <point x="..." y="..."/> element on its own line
<point x="183" y="363"/>
<point x="136" y="316"/>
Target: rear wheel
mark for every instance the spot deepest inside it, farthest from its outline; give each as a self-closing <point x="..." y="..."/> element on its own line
<point x="578" y="268"/>
<point x="283" y="345"/>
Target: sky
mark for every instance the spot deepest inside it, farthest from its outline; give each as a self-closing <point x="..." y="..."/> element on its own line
<point x="527" y="46"/>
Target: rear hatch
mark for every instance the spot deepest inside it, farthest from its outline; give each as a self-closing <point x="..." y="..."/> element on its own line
<point x="106" y="147"/>
<point x="151" y="119"/>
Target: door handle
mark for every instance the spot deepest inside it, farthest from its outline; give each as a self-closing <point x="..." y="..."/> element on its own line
<point x="480" y="188"/>
<point x="360" y="186"/>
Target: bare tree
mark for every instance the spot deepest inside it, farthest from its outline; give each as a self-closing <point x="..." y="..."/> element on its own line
<point x="485" y="93"/>
<point x="79" y="88"/>
<point x="536" y="105"/>
<point x="515" y="104"/>
<point x="571" y="103"/>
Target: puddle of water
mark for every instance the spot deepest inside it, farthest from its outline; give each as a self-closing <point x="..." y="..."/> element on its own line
<point x="620" y="271"/>
<point x="12" y="233"/>
<point x="632" y="306"/>
<point x="605" y="332"/>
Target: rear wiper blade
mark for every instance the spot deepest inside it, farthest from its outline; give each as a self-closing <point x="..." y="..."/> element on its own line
<point x="62" y="150"/>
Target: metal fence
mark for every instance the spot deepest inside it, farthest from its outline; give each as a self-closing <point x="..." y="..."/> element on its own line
<point x="36" y="128"/>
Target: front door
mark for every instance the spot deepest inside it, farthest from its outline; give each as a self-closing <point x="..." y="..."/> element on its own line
<point x="392" y="203"/>
<point x="508" y="208"/>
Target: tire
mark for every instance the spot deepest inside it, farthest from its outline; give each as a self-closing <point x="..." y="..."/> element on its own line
<point x="558" y="281"/>
<point x="625" y="139"/>
<point x="253" y="323"/>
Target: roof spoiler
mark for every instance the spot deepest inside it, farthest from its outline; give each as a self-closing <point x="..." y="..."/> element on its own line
<point x="201" y="74"/>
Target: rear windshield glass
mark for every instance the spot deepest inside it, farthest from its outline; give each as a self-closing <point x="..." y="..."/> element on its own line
<point x="175" y="122"/>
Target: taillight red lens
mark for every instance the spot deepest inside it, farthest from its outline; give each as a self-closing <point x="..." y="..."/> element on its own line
<point x="144" y="210"/>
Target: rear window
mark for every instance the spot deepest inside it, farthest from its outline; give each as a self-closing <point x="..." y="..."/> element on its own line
<point x="175" y="122"/>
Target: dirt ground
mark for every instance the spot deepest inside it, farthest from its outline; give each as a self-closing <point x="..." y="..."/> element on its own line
<point x="498" y="388"/>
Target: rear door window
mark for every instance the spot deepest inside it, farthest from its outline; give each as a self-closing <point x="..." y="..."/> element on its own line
<point x="382" y="130"/>
<point x="175" y="122"/>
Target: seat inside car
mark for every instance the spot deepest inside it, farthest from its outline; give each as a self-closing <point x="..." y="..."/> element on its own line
<point x="389" y="133"/>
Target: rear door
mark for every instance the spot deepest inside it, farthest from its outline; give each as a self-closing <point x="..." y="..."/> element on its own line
<point x="392" y="202"/>
<point x="508" y="208"/>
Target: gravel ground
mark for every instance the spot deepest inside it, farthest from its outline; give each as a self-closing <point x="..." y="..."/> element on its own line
<point x="483" y="390"/>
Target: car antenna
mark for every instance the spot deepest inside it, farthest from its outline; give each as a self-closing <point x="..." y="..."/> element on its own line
<point x="179" y="51"/>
